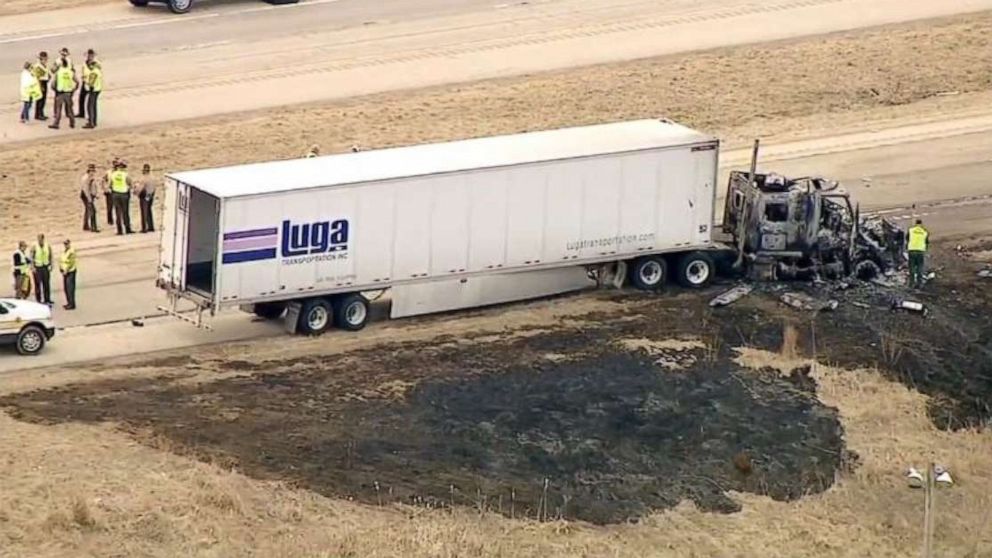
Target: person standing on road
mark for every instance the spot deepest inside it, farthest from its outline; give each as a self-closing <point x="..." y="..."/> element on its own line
<point x="93" y="86"/>
<point x="30" y="92"/>
<point x="146" y="198"/>
<point x="43" y="74"/>
<point x="22" y="271"/>
<point x="41" y="258"/>
<point x="120" y="187"/>
<point x="108" y="195"/>
<point x="63" y="58"/>
<point x="917" y="245"/>
<point x="88" y="194"/>
<point x="66" y="84"/>
<point x="68" y="265"/>
<point x="85" y="69"/>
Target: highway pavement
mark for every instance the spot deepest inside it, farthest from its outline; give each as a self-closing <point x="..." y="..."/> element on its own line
<point x="229" y="56"/>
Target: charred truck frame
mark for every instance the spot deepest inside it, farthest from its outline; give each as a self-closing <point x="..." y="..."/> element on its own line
<point x="805" y="227"/>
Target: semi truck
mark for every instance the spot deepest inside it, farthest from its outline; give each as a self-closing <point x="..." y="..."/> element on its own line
<point x="183" y="6"/>
<point x="442" y="226"/>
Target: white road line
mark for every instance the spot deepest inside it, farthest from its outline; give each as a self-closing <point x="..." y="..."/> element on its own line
<point x="174" y="19"/>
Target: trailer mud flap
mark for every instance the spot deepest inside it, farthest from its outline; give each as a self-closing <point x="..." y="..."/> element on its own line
<point x="472" y="292"/>
<point x="293" y="310"/>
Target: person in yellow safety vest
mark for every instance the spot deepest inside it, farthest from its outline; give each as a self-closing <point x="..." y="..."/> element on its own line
<point x="22" y="271"/>
<point x="93" y="85"/>
<point x="84" y="93"/>
<point x="30" y="92"/>
<point x="68" y="265"/>
<point x="41" y="259"/>
<point x="66" y="84"/>
<point x="41" y="71"/>
<point x="120" y="188"/>
<point x="108" y="196"/>
<point x="917" y="245"/>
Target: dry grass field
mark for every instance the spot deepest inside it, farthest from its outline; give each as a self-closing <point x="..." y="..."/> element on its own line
<point x="773" y="90"/>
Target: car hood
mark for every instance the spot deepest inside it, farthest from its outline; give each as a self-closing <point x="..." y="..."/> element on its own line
<point x="28" y="310"/>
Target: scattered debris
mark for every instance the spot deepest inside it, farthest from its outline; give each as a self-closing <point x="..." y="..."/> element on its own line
<point x="802" y="301"/>
<point x="910" y="305"/>
<point x="731" y="296"/>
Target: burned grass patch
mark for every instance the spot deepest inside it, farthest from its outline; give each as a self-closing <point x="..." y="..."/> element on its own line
<point x="605" y="435"/>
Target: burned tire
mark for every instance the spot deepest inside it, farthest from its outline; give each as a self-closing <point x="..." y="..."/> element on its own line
<point x="351" y="312"/>
<point x="179" y="6"/>
<point x="30" y="340"/>
<point x="648" y="273"/>
<point x="315" y="317"/>
<point x="695" y="270"/>
<point x="269" y="310"/>
<point x="866" y="270"/>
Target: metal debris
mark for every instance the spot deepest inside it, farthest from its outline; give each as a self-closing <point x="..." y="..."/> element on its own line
<point x="732" y="295"/>
<point x="910" y="305"/>
<point x="801" y="301"/>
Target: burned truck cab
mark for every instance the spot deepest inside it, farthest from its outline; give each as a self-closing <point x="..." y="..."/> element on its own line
<point x="801" y="228"/>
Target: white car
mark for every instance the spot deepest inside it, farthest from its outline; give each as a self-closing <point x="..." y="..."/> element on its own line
<point x="25" y="324"/>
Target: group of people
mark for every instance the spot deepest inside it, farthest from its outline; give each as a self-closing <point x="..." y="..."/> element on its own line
<point x="117" y="188"/>
<point x="60" y="76"/>
<point x="33" y="271"/>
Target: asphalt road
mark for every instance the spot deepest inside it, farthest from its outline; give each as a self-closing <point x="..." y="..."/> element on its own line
<point x="944" y="177"/>
<point x="231" y="56"/>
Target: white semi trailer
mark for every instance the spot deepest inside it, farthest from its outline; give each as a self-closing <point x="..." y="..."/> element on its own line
<point x="459" y="221"/>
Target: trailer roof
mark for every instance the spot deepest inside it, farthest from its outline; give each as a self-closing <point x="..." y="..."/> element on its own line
<point x="439" y="158"/>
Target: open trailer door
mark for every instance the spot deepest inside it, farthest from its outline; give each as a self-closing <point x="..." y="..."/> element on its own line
<point x="172" y="253"/>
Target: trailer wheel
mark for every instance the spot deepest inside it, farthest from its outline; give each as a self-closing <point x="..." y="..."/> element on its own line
<point x="315" y="317"/>
<point x="269" y="310"/>
<point x="351" y="312"/>
<point x="695" y="270"/>
<point x="649" y="273"/>
<point x="30" y="340"/>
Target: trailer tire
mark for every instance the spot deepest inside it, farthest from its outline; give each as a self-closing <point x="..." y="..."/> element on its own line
<point x="351" y="312"/>
<point x="695" y="270"/>
<point x="179" y="6"/>
<point x="316" y="317"/>
<point x="649" y="273"/>
<point x="269" y="310"/>
<point x="30" y="340"/>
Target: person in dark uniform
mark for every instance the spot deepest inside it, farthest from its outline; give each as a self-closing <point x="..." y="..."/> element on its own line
<point x="147" y="187"/>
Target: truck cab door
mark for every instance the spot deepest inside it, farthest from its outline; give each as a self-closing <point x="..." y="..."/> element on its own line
<point x="734" y="203"/>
